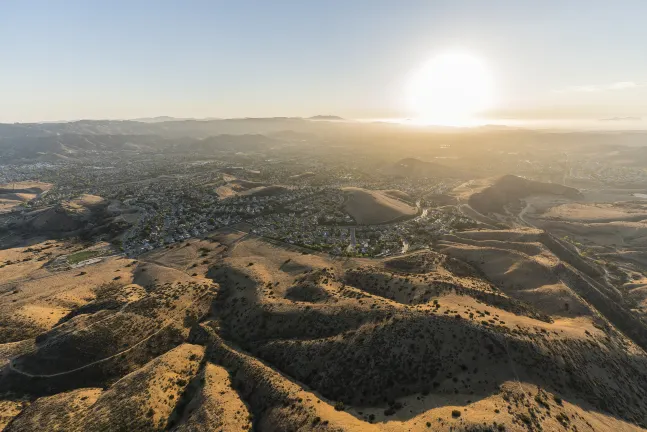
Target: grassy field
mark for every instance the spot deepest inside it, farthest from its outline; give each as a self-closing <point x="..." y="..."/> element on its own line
<point x="77" y="257"/>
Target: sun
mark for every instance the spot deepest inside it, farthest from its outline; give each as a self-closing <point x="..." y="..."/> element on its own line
<point x="450" y="89"/>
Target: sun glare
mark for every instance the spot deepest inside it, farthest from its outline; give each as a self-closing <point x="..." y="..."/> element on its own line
<point x="450" y="89"/>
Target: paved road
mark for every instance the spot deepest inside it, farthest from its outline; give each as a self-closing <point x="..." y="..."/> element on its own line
<point x="607" y="276"/>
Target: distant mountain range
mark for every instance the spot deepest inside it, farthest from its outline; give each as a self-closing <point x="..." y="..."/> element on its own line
<point x="162" y="126"/>
<point x="325" y="117"/>
<point x="161" y="119"/>
<point x="611" y="119"/>
<point x="168" y="118"/>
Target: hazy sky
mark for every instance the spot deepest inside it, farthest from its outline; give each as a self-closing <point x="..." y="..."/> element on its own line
<point x="123" y="59"/>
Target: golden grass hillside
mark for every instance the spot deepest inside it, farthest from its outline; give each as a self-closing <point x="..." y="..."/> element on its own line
<point x="234" y="332"/>
<point x="368" y="207"/>
<point x="240" y="187"/>
<point x="14" y="194"/>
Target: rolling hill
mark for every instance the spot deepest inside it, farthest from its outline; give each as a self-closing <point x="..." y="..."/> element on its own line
<point x="239" y="187"/>
<point x="509" y="188"/>
<point x="374" y="207"/>
<point x="14" y="194"/>
<point x="494" y="330"/>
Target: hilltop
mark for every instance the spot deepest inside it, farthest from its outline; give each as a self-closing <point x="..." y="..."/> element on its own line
<point x="509" y="188"/>
<point x="375" y="207"/>
<point x="13" y="195"/>
<point x="85" y="215"/>
<point x="240" y="187"/>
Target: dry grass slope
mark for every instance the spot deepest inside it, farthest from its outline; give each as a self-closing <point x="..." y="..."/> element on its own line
<point x="236" y="333"/>
<point x="373" y="207"/>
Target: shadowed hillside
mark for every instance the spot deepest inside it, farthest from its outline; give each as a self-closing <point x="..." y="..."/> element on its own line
<point x="232" y="332"/>
<point x="509" y="188"/>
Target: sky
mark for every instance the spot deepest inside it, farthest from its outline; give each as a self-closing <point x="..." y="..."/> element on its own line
<point x="76" y="59"/>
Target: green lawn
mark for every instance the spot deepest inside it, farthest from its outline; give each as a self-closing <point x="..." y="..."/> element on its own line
<point x="82" y="256"/>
